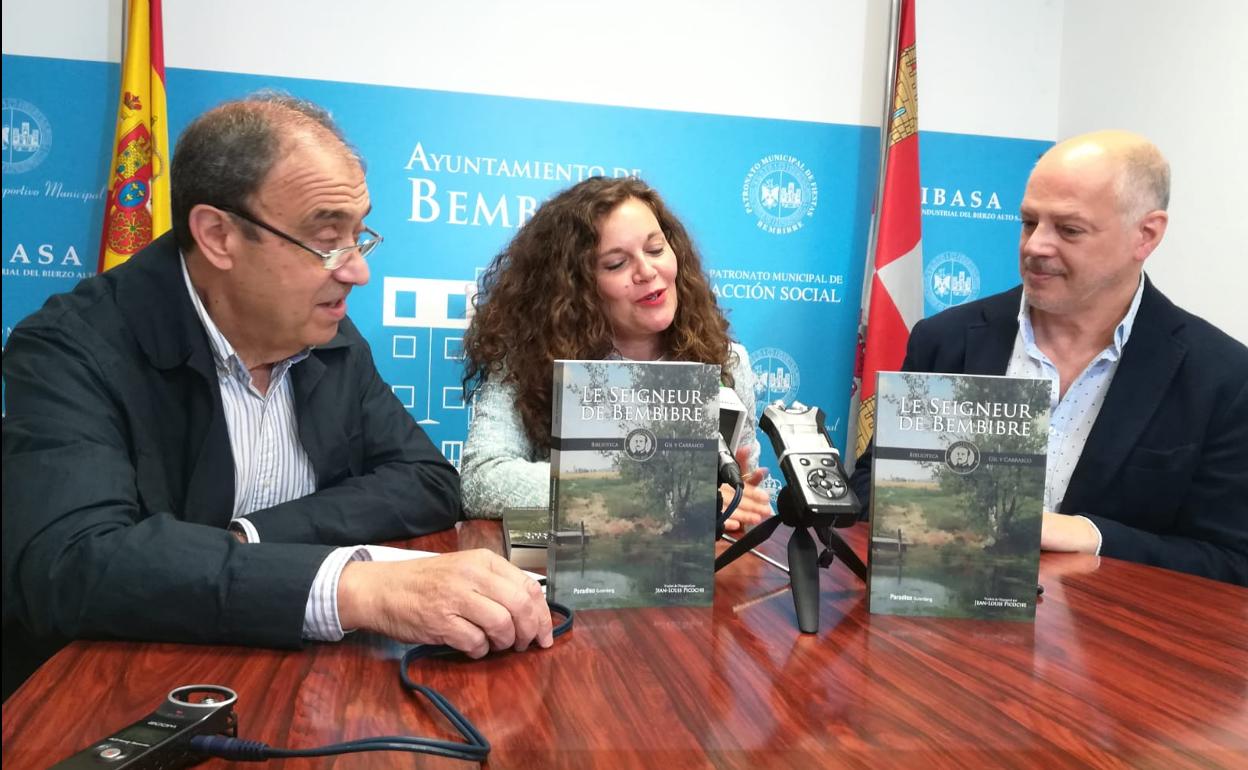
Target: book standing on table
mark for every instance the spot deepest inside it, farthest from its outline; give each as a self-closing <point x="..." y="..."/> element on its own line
<point x="957" y="495"/>
<point x="633" y="483"/>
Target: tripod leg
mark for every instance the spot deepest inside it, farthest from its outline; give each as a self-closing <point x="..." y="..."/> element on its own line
<point x="747" y="541"/>
<point x="804" y="574"/>
<point x="841" y="549"/>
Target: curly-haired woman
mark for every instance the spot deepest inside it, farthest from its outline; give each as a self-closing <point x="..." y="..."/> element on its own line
<point x="603" y="270"/>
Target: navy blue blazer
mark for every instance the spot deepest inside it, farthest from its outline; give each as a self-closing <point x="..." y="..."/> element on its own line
<point x="119" y="478"/>
<point x="1164" y="472"/>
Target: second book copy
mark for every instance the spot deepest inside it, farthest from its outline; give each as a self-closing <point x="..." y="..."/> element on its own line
<point x="957" y="495"/>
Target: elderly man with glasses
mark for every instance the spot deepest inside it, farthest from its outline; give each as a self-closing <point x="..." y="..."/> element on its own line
<point x="196" y="441"/>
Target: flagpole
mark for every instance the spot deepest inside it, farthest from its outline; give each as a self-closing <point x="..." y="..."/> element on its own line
<point x="868" y="273"/>
<point x="886" y="118"/>
<point x="125" y="31"/>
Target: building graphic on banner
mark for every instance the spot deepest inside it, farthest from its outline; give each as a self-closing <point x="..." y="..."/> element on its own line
<point x="438" y="310"/>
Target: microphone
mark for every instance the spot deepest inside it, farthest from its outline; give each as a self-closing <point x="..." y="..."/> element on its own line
<point x="731" y="422"/>
<point x="816" y="495"/>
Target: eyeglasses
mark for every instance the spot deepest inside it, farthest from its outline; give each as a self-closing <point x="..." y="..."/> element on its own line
<point x="330" y="260"/>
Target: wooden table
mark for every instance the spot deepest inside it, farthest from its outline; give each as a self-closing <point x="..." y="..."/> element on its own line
<point x="1126" y="666"/>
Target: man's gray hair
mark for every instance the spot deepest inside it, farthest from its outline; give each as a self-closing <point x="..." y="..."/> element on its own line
<point x="1143" y="182"/>
<point x="224" y="155"/>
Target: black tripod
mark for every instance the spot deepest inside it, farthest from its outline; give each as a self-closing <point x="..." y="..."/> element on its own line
<point x="804" y="562"/>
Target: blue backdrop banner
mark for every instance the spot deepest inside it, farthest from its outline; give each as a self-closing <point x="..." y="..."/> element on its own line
<point x="780" y="211"/>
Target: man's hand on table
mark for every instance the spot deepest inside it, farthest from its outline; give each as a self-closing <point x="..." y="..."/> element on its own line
<point x="474" y="601"/>
<point x="1062" y="532"/>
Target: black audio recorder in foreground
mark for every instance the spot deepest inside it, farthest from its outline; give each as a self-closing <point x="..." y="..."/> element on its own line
<point x="162" y="738"/>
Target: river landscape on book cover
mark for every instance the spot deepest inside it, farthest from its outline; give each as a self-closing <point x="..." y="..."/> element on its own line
<point x="633" y="483"/>
<point x="958" y="495"/>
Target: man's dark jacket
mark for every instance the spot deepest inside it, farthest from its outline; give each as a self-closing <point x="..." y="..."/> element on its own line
<point x="119" y="478"/>
<point x="1164" y="472"/>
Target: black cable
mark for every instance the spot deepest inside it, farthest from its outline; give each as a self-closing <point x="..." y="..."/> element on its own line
<point x="474" y="747"/>
<point x="738" y="491"/>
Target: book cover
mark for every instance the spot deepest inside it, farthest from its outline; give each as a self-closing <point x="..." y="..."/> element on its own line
<point x="633" y="483"/>
<point x="957" y="495"/>
<point x="526" y="534"/>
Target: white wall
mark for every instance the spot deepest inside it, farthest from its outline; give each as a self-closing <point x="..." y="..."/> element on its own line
<point x="1177" y="73"/>
<point x="989" y="67"/>
<point x="797" y="59"/>
<point x="791" y="59"/>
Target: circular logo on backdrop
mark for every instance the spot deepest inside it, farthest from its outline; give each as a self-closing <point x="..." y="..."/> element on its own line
<point x="776" y="377"/>
<point x="781" y="193"/>
<point x="640" y="445"/>
<point x="951" y="279"/>
<point x="962" y="457"/>
<point x="27" y="136"/>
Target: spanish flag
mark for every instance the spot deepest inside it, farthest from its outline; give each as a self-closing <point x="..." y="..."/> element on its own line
<point x="137" y="208"/>
<point x="893" y="296"/>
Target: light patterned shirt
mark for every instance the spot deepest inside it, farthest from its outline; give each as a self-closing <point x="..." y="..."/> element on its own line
<point x="270" y="464"/>
<point x="1072" y="415"/>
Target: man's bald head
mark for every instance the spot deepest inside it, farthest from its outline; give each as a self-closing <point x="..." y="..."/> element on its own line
<point x="1141" y="173"/>
<point x="1093" y="211"/>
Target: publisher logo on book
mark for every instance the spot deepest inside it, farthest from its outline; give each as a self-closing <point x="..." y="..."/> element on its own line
<point x="962" y="457"/>
<point x="640" y="445"/>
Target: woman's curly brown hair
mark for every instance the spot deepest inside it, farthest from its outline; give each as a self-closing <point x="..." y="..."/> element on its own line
<point x="538" y="299"/>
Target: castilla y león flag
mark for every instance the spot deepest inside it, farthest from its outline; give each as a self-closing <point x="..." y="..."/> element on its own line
<point x="894" y="301"/>
<point x="137" y="208"/>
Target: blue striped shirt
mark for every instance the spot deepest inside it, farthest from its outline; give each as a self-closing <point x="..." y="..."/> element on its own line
<point x="1072" y="416"/>
<point x="270" y="464"/>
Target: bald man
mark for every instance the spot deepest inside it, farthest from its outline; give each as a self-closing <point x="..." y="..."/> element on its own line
<point x="1148" y="446"/>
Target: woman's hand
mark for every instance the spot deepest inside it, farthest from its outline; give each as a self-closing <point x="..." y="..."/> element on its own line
<point x="755" y="502"/>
